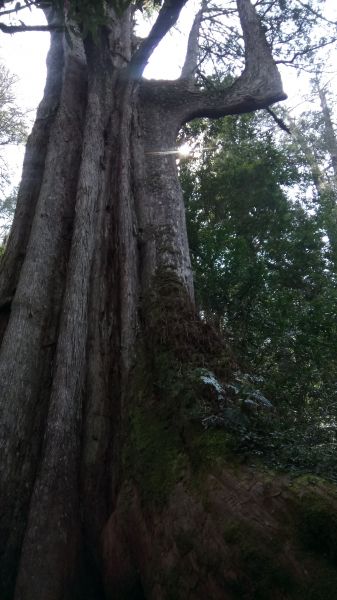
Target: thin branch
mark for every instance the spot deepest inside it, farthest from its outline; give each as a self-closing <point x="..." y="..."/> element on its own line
<point x="279" y="121"/>
<point x="22" y="28"/>
<point x="269" y="7"/>
<point x="305" y="51"/>
<point x="15" y="10"/>
<point x="316" y="13"/>
<point x="167" y="18"/>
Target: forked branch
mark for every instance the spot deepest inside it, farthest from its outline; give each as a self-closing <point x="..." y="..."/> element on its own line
<point x="258" y="86"/>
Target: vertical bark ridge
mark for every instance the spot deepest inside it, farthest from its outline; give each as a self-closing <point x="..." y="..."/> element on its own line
<point x="108" y="304"/>
<point x="35" y="309"/>
<point x="54" y="525"/>
<point x="55" y="504"/>
<point x="101" y="404"/>
<point x="127" y="233"/>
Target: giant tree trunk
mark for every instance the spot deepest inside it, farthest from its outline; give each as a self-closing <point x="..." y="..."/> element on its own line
<point x="106" y="485"/>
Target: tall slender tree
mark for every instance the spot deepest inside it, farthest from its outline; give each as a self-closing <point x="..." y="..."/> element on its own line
<point x="316" y="137"/>
<point x="101" y="484"/>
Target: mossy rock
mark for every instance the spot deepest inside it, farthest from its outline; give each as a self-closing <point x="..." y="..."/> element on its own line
<point x="263" y="575"/>
<point x="316" y="522"/>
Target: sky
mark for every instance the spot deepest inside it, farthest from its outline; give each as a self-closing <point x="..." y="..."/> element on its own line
<point x="25" y="55"/>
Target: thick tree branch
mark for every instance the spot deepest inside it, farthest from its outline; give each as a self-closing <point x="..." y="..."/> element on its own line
<point x="258" y="86"/>
<point x="192" y="54"/>
<point x="167" y="17"/>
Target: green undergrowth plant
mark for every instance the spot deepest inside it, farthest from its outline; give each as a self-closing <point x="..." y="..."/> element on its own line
<point x="292" y="443"/>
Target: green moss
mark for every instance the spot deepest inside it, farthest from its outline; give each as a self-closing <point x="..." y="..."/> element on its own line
<point x="155" y="455"/>
<point x="172" y="324"/>
<point x="309" y="480"/>
<point x="262" y="573"/>
<point x="167" y="397"/>
<point x="207" y="448"/>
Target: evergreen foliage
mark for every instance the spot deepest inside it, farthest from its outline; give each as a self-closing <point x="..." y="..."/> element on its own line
<point x="264" y="275"/>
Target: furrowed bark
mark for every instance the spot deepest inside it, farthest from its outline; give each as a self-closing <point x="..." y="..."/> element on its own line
<point x="34" y="312"/>
<point x="53" y="525"/>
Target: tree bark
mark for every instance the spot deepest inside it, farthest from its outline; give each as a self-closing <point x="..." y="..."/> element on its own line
<point x="97" y="248"/>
